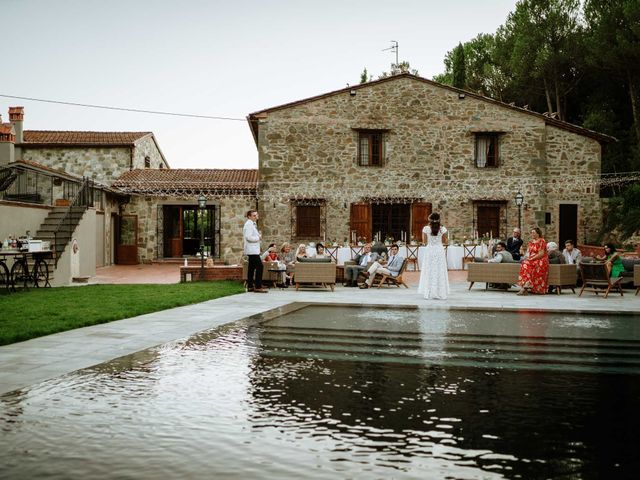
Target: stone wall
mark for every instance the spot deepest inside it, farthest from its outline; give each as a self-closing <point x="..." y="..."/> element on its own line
<point x="232" y="218"/>
<point x="310" y="151"/>
<point x="103" y="164"/>
<point x="147" y="147"/>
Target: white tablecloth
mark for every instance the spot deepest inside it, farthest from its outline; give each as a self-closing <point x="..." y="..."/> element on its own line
<point x="454" y="255"/>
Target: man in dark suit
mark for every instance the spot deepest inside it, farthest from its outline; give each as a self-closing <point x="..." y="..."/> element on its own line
<point x="514" y="243"/>
<point x="362" y="260"/>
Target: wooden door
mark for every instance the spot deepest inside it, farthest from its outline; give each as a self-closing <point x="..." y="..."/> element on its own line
<point x="420" y="212"/>
<point x="361" y="220"/>
<point x="127" y="252"/>
<point x="488" y="220"/>
<point x="568" y="224"/>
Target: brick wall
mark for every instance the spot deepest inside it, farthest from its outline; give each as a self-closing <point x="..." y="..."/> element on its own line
<point x="218" y="272"/>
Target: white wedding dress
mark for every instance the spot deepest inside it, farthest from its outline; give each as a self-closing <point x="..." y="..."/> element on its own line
<point x="434" y="278"/>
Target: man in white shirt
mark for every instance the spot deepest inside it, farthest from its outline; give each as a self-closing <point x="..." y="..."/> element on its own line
<point x="252" y="239"/>
<point x="571" y="254"/>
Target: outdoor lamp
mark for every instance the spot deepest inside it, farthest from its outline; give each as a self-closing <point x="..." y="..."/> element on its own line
<point x="519" y="199"/>
<point x="519" y="202"/>
<point x="202" y="204"/>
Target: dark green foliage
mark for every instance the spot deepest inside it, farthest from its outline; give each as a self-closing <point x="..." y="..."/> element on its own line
<point x="43" y="311"/>
<point x="459" y="72"/>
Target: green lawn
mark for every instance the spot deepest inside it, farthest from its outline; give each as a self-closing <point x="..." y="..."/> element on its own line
<point x="42" y="311"/>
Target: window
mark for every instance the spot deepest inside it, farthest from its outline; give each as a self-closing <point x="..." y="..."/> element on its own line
<point x="486" y="150"/>
<point x="147" y="162"/>
<point x="308" y="221"/>
<point x="370" y="149"/>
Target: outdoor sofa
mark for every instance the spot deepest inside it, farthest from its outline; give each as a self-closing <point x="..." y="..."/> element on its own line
<point x="315" y="271"/>
<point x="560" y="275"/>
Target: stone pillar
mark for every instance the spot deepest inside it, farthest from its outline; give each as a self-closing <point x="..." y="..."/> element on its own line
<point x="16" y="117"/>
<point x="7" y="143"/>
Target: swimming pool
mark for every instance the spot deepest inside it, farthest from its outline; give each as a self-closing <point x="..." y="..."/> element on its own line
<point x="327" y="392"/>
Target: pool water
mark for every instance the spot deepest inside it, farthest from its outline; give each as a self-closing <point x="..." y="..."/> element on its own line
<point x="340" y="392"/>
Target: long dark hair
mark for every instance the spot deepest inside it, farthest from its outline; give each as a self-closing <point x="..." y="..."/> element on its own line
<point x="434" y="221"/>
<point x="612" y="247"/>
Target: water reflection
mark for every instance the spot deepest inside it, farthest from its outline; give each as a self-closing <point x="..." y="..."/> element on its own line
<point x="352" y="393"/>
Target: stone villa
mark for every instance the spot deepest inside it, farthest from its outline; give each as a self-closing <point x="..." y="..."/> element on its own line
<point x="360" y="162"/>
<point x="376" y="158"/>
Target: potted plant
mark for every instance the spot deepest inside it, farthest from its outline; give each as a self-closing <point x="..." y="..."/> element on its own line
<point x="389" y="240"/>
<point x="361" y="241"/>
<point x="413" y="240"/>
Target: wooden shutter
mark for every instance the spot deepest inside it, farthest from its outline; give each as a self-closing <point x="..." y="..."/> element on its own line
<point x="420" y="212"/>
<point x="308" y="221"/>
<point x="361" y="220"/>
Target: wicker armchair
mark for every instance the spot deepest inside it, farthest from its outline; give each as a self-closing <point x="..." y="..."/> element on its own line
<point x="268" y="277"/>
<point x="323" y="274"/>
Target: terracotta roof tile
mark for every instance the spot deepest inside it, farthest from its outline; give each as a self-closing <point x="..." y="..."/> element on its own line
<point x="48" y="137"/>
<point x="168" y="181"/>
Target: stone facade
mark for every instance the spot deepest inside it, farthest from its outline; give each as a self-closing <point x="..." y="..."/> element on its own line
<point x="232" y="210"/>
<point x="309" y="150"/>
<point x="147" y="147"/>
<point x="104" y="164"/>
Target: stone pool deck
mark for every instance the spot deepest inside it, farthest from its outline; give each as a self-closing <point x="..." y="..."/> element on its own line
<point x="33" y="361"/>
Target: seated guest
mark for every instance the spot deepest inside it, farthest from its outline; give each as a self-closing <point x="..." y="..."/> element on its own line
<point x="288" y="258"/>
<point x="301" y="252"/>
<point x="351" y="272"/>
<point x="270" y="255"/>
<point x="502" y="255"/>
<point x="571" y="254"/>
<point x="612" y="260"/>
<point x="320" y="253"/>
<point x="554" y="253"/>
<point x="514" y="243"/>
<point x="534" y="270"/>
<point x="391" y="267"/>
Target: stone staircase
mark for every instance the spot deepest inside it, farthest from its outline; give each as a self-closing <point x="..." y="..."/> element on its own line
<point x="59" y="234"/>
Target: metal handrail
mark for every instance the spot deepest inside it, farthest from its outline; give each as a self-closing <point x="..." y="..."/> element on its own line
<point x="82" y="198"/>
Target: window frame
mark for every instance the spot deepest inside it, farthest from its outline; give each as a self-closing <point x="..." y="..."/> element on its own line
<point x="369" y="135"/>
<point x="494" y="138"/>
<point x="318" y="227"/>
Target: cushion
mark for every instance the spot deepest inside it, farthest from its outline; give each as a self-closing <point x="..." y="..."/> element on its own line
<point x="315" y="260"/>
<point x="628" y="263"/>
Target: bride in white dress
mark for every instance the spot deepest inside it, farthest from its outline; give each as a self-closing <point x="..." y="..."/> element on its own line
<point x="434" y="279"/>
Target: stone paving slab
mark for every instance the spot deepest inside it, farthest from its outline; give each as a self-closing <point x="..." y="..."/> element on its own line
<point x="25" y="363"/>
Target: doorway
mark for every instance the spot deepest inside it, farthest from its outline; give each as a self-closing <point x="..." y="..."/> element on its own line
<point x="183" y="226"/>
<point x="391" y="220"/>
<point x="568" y="223"/>
<point x="488" y="220"/>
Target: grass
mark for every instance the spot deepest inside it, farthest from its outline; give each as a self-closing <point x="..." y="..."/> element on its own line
<point x="42" y="311"/>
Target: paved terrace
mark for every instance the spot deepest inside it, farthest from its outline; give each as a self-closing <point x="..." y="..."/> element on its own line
<point x="36" y="360"/>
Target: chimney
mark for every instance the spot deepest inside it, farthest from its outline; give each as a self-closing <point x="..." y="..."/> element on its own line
<point x="7" y="144"/>
<point x="16" y="117"/>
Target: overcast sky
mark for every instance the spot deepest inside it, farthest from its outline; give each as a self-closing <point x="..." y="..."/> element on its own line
<point x="218" y="58"/>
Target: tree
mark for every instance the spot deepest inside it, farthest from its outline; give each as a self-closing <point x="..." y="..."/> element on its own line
<point x="615" y="45"/>
<point x="459" y="69"/>
<point x="545" y="36"/>
<point x="397" y="69"/>
<point x="364" y="76"/>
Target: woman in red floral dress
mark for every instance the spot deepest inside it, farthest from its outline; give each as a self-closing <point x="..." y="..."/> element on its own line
<point x="535" y="268"/>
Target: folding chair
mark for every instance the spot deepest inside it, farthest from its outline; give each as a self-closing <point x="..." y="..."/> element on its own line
<point x="391" y="280"/>
<point x="596" y="276"/>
